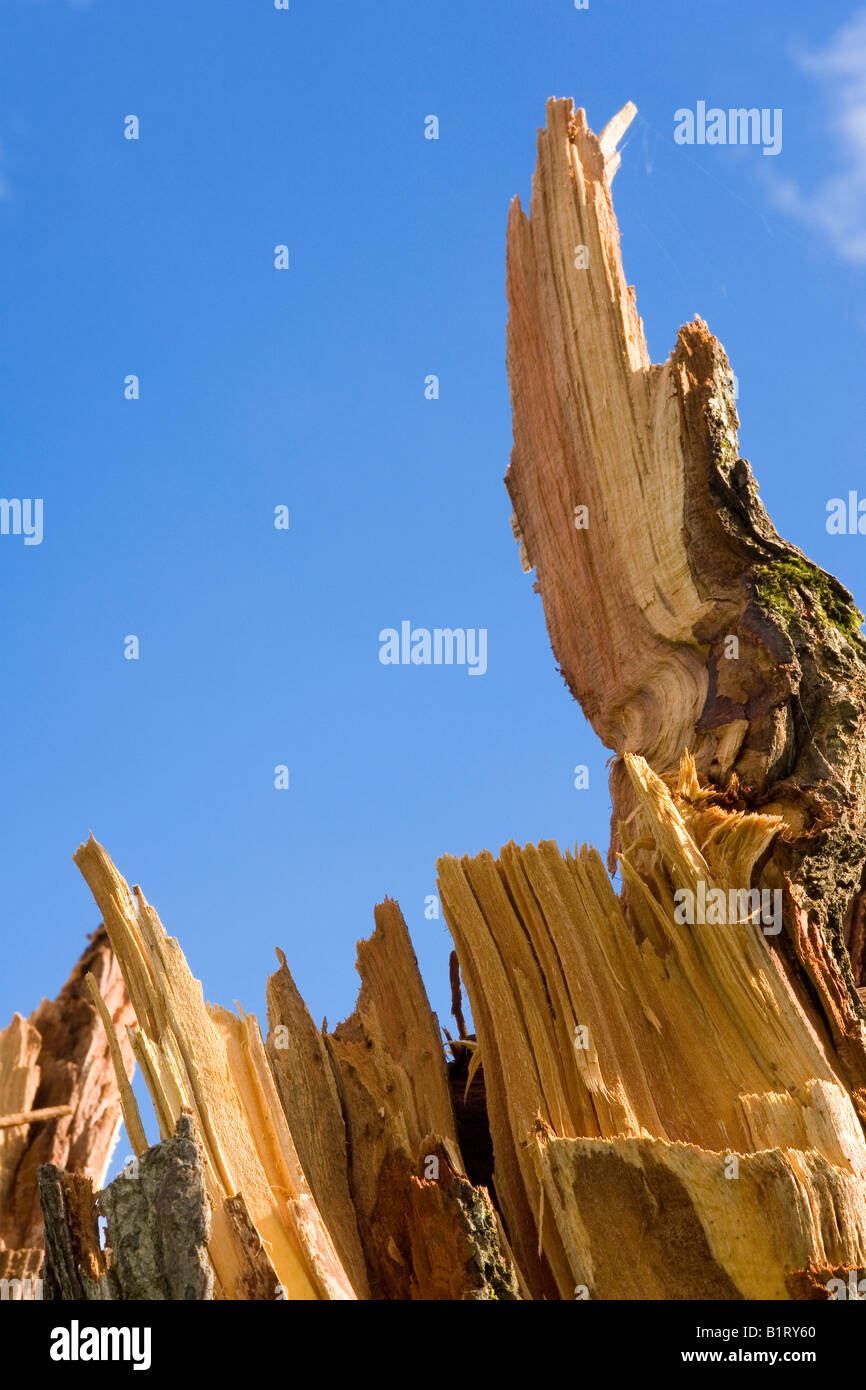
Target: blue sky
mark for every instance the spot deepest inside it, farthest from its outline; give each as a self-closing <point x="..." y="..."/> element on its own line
<point x="306" y="388"/>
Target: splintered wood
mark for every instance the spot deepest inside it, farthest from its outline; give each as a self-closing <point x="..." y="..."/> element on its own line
<point x="58" y="1096"/>
<point x="665" y="1093"/>
<point x="667" y="1112"/>
<point x="596" y="426"/>
<point x="652" y="1077"/>
<point x="388" y="1095"/>
<point x="678" y="615"/>
<point x="213" y="1064"/>
<point x="644" y="526"/>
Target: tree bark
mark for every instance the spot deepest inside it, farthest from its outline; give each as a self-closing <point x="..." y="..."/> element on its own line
<point x="158" y="1223"/>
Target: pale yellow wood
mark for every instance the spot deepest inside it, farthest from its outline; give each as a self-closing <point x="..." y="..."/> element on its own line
<point x="188" y="1065"/>
<point x="128" y="1103"/>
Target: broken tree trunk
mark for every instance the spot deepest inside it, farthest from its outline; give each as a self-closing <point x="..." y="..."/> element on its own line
<point x="682" y="621"/>
<point x="665" y="1096"/>
<point x="675" y="554"/>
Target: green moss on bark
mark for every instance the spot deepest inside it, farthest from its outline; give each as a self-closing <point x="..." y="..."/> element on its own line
<point x="780" y="584"/>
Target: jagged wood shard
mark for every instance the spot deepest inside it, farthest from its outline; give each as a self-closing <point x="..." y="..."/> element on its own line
<point x="398" y="1106"/>
<point x="212" y="1063"/>
<point x="59" y="1101"/>
<point x="370" y="1104"/>
<point x="308" y="1090"/>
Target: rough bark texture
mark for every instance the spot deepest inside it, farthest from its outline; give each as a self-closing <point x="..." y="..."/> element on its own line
<point x="158" y="1222"/>
<point x="75" y="1267"/>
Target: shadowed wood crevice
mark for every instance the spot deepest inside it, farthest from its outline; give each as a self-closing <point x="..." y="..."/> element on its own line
<point x="470" y="1114"/>
<point x="385" y="1111"/>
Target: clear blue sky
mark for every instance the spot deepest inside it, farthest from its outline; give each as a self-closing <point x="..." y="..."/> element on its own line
<point x="306" y="387"/>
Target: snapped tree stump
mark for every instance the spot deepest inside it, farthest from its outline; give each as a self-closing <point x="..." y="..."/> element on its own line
<point x="665" y="1093"/>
